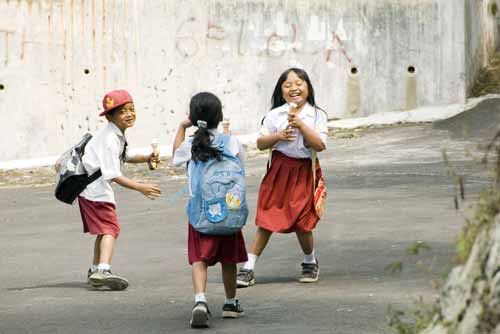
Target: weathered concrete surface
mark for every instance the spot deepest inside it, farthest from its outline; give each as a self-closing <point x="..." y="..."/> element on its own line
<point x="481" y="36"/>
<point x="469" y="301"/>
<point x="57" y="58"/>
<point x="482" y="121"/>
<point x="387" y="189"/>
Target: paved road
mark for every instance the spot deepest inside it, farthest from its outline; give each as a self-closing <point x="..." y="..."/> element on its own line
<point x="387" y="189"/>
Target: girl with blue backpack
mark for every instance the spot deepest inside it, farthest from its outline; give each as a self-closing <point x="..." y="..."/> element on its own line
<point x="217" y="208"/>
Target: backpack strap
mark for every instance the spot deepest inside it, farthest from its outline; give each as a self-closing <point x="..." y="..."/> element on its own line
<point x="314" y="154"/>
<point x="94" y="176"/>
<point x="97" y="174"/>
<point x="225" y="140"/>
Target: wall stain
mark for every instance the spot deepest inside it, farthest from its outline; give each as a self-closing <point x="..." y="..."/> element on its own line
<point x="7" y="34"/>
<point x="93" y="27"/>
<point x="23" y="44"/>
<point x="72" y="26"/>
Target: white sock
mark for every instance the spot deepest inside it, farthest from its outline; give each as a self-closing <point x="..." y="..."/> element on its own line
<point x="250" y="264"/>
<point x="311" y="258"/>
<point x="103" y="266"/>
<point x="230" y="301"/>
<point x="200" y="297"/>
<point x="93" y="268"/>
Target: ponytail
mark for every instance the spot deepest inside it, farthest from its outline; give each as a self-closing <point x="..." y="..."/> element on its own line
<point x="205" y="112"/>
<point x="201" y="150"/>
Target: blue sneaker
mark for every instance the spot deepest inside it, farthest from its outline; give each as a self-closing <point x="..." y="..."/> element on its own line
<point x="231" y="310"/>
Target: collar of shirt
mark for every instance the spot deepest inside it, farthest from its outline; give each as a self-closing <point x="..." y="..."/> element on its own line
<point x="116" y="129"/>
<point x="307" y="110"/>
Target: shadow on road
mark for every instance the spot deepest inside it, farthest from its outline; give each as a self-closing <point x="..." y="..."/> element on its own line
<point x="77" y="285"/>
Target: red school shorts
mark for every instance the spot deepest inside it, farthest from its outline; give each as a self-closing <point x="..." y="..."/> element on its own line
<point x="226" y="249"/>
<point x="99" y="217"/>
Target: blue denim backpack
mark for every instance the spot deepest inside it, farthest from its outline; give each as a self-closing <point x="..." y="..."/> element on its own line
<point x="217" y="192"/>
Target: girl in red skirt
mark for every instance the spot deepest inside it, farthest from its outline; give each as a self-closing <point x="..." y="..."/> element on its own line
<point x="292" y="129"/>
<point x="206" y="250"/>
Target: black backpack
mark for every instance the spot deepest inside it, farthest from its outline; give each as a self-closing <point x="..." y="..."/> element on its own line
<point x="72" y="178"/>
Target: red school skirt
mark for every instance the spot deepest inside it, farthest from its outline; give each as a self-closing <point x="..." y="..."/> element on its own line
<point x="98" y="217"/>
<point x="226" y="249"/>
<point x="286" y="201"/>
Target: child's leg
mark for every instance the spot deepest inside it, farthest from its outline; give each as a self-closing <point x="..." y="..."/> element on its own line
<point x="260" y="241"/>
<point x="200" y="314"/>
<point x="200" y="277"/>
<point x="229" y="279"/>
<point x="306" y="241"/>
<point x="246" y="275"/>
<point x="231" y="307"/>
<point x="106" y="249"/>
<point x="97" y="250"/>
<point x="103" y="253"/>
<point x="258" y="244"/>
<point x="310" y="266"/>
<point x="96" y="256"/>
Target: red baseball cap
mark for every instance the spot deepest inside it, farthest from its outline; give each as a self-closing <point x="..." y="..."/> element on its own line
<point x="114" y="99"/>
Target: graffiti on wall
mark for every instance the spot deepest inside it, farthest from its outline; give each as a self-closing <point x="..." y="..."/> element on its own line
<point x="242" y="38"/>
<point x="272" y="43"/>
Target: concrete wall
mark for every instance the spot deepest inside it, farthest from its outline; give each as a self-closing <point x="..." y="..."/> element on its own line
<point x="58" y="57"/>
<point x="482" y="35"/>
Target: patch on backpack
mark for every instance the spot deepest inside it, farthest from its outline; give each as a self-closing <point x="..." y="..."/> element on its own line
<point x="215" y="211"/>
<point x="233" y="197"/>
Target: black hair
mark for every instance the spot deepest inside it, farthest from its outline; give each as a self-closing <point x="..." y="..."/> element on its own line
<point x="112" y="112"/>
<point x="205" y="107"/>
<point x="277" y="98"/>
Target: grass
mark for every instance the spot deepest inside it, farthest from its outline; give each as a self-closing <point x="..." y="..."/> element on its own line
<point x="488" y="79"/>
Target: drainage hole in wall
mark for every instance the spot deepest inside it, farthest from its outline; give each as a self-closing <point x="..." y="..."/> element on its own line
<point x="2" y="87"/>
<point x="354" y="70"/>
<point x="86" y="71"/>
<point x="411" y="69"/>
<point x="493" y="8"/>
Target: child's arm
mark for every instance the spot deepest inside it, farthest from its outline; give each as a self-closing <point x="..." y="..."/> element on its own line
<point x="181" y="134"/>
<point x="151" y="191"/>
<point x="310" y="136"/>
<point x="268" y="141"/>
<point x="140" y="158"/>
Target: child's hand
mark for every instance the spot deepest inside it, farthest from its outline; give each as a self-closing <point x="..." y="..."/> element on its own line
<point x="151" y="191"/>
<point x="186" y="123"/>
<point x="154" y="158"/>
<point x="288" y="134"/>
<point x="294" y="121"/>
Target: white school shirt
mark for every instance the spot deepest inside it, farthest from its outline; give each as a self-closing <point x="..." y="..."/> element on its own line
<point x="277" y="120"/>
<point x="103" y="152"/>
<point x="183" y="153"/>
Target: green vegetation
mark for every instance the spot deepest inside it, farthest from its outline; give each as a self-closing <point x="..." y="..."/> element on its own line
<point x="485" y="209"/>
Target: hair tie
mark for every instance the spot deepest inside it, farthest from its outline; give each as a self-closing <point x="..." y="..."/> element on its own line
<point x="202" y="124"/>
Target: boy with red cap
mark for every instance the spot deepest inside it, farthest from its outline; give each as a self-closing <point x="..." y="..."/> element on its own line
<point x="107" y="151"/>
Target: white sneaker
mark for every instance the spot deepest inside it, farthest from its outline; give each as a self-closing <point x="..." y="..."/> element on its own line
<point x="107" y="279"/>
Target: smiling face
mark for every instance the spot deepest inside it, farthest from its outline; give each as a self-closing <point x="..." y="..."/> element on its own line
<point x="124" y="117"/>
<point x="294" y="89"/>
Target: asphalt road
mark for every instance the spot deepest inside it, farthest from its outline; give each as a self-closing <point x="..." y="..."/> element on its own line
<point x="388" y="189"/>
